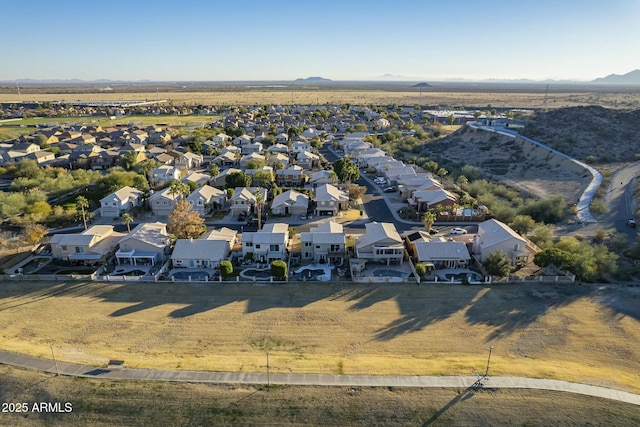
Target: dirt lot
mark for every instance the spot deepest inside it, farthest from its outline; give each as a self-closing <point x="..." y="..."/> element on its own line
<point x="587" y="334"/>
<point x="103" y="403"/>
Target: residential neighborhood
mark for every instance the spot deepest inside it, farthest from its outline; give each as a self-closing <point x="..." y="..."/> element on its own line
<point x="280" y="194"/>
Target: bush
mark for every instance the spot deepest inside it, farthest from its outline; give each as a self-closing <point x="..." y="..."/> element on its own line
<point x="226" y="268"/>
<point x="421" y="270"/>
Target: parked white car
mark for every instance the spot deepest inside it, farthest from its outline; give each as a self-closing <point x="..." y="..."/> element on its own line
<point x="456" y="230"/>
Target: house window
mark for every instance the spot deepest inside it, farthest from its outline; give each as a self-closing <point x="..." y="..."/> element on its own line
<point x="257" y="246"/>
<point x="64" y="247"/>
<point x="250" y="244"/>
<point x="335" y="248"/>
<point x="79" y="249"/>
<point x="274" y="248"/>
<point x="115" y="204"/>
<point x="307" y="243"/>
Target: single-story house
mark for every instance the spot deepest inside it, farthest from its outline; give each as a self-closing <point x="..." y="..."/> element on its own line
<point x="290" y="202"/>
<point x="199" y="253"/>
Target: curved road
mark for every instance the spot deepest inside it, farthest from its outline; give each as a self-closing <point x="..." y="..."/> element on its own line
<point x="584" y="203"/>
<point x="75" y="370"/>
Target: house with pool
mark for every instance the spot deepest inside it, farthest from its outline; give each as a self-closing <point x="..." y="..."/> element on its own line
<point x="93" y="246"/>
<point x="199" y="253"/>
<point x="147" y="244"/>
<point x="324" y="244"/>
<point x="268" y="244"/>
<point x="442" y="254"/>
<point x="380" y="243"/>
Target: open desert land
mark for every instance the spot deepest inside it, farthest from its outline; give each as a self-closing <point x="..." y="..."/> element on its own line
<point x="588" y="334"/>
<point x="106" y="403"/>
<point x="516" y="162"/>
<point x="479" y="95"/>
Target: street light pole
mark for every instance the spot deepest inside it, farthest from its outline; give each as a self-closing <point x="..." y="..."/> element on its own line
<point x="488" y="361"/>
<point x="54" y="360"/>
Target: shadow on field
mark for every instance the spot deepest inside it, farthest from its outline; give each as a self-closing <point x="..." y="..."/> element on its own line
<point x="419" y="307"/>
<point x="464" y="395"/>
<point x="510" y="309"/>
<point x="29" y="293"/>
<point x="202" y="299"/>
<point x="625" y="303"/>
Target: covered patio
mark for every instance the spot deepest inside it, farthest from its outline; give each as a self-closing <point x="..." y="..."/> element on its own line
<point x="134" y="257"/>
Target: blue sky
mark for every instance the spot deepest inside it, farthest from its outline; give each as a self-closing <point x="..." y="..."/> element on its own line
<point x="341" y="40"/>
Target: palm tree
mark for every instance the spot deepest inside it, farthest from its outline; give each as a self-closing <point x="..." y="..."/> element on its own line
<point x="259" y="204"/>
<point x="428" y="219"/>
<point x="81" y="204"/>
<point x="127" y="220"/>
<point x="179" y="189"/>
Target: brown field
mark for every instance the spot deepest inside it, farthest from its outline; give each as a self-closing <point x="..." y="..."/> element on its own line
<point x="480" y="99"/>
<point x="587" y="334"/>
<point x="103" y="403"/>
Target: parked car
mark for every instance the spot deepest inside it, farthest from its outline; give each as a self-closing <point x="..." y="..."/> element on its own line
<point x="631" y="223"/>
<point x="456" y="230"/>
<point x="380" y="180"/>
<point x="390" y="190"/>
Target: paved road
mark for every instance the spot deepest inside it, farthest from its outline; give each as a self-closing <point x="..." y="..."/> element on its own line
<point x="74" y="370"/>
<point x="619" y="199"/>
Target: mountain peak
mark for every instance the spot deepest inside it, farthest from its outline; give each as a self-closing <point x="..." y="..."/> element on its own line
<point x="631" y="78"/>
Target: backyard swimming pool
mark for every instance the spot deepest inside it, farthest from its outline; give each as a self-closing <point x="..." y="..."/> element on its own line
<point x="313" y="272"/>
<point x="196" y="276"/>
<point x="390" y="273"/>
<point x="251" y="273"/>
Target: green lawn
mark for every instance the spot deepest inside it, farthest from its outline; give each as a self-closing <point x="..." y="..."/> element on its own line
<point x="171" y="120"/>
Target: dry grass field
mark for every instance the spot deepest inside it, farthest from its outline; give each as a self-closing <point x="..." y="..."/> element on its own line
<point x="471" y="98"/>
<point x="140" y="403"/>
<point x="588" y="334"/>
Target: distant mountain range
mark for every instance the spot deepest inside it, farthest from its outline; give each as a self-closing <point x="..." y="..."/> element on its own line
<point x="312" y="80"/>
<point x="631" y="78"/>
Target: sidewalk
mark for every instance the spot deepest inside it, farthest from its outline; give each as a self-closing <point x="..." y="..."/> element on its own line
<point x="75" y="370"/>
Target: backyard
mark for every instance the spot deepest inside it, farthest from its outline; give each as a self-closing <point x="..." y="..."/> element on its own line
<point x="585" y="334"/>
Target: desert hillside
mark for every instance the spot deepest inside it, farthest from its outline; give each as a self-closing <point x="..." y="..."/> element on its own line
<point x="513" y="161"/>
<point x="594" y="134"/>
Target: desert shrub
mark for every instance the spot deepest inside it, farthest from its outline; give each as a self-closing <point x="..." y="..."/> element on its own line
<point x="598" y="207"/>
<point x="549" y="211"/>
